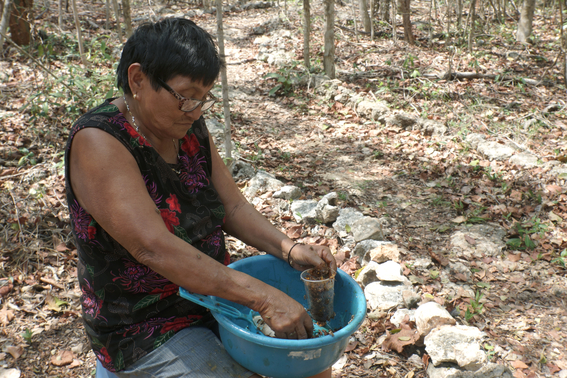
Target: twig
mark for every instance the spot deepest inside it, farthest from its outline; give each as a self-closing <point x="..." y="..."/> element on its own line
<point x="52" y="283"/>
<point x="20" y="233"/>
<point x="37" y="62"/>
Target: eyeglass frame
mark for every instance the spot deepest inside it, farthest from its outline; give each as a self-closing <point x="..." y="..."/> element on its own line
<point x="182" y="99"/>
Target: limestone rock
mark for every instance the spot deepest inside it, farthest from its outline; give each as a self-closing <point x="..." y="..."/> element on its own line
<point x="347" y="217"/>
<point x="389" y="271"/>
<point x="489" y="370"/>
<point x="462" y="246"/>
<point x="524" y="159"/>
<point x="431" y="315"/>
<point x="374" y="110"/>
<point x="456" y="344"/>
<point x="327" y="209"/>
<point x="369" y="228"/>
<point x="429" y="127"/>
<point x="262" y="182"/>
<point x="361" y="250"/>
<point x="383" y="296"/>
<point x="400" y="315"/>
<point x="411" y="298"/>
<point x="242" y="170"/>
<point x="495" y="151"/>
<point x="367" y="275"/>
<point x="474" y="139"/>
<point x="401" y="119"/>
<point x="288" y="192"/>
<point x="383" y="252"/>
<point x="304" y="211"/>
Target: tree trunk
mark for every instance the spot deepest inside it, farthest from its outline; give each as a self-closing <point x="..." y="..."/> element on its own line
<point x="364" y="14"/>
<point x="306" y="33"/>
<point x="224" y="80"/>
<point x="563" y="42"/>
<point x="472" y="15"/>
<point x="394" y="8"/>
<point x="329" y="54"/>
<point x="406" y="13"/>
<point x="354" y="21"/>
<point x="525" y="23"/>
<point x="127" y="17"/>
<point x="6" y="11"/>
<point x="459" y="13"/>
<point x="79" y="35"/>
<point x="107" y="11"/>
<point x="19" y="25"/>
<point x="385" y="10"/>
<point x="117" y="15"/>
<point x="372" y="11"/>
<point x="60" y="16"/>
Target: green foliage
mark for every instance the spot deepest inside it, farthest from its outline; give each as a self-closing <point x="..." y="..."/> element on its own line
<point x="286" y="78"/>
<point x="475" y="306"/>
<point x="27" y="335"/>
<point x="90" y="85"/>
<point x="523" y="240"/>
<point x="561" y="260"/>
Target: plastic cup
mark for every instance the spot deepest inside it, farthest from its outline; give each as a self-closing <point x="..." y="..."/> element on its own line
<point x="320" y="295"/>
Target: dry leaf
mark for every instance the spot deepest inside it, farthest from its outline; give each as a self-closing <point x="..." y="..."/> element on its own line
<point x="6" y="316"/>
<point x="6" y="289"/>
<point x="519" y="364"/>
<point x="63" y="358"/>
<point x="459" y="219"/>
<point x="15" y="351"/>
<point x="470" y="240"/>
<point x="554" y="188"/>
<point x="350" y="266"/>
<point x="514" y="258"/>
<point x="75" y="363"/>
<point x="351" y="346"/>
<point x="397" y="341"/>
<point x="295" y="232"/>
<point x="54" y="303"/>
<point x="10" y="373"/>
<point x="554" y="217"/>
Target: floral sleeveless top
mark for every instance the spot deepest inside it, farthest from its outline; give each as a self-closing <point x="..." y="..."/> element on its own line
<point x="129" y="309"/>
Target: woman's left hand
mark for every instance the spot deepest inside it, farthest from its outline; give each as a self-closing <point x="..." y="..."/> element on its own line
<point x="312" y="256"/>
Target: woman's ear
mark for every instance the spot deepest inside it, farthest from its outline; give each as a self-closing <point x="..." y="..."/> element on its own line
<point x="136" y="77"/>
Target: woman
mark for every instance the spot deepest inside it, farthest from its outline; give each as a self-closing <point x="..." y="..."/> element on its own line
<point x="149" y="198"/>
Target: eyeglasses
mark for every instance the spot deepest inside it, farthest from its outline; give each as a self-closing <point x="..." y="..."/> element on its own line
<point x="189" y="104"/>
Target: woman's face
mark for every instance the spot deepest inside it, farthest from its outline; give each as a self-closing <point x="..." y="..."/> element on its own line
<point x="159" y="110"/>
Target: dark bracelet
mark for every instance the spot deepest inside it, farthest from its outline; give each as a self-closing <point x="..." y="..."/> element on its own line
<point x="289" y="260"/>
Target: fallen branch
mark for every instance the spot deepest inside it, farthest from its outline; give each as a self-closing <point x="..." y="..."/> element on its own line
<point x="475" y="75"/>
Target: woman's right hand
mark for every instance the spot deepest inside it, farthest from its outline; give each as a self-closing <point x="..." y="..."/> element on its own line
<point x="285" y="316"/>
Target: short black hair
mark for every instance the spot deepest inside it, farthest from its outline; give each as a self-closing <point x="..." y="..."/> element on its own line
<point x="168" y="48"/>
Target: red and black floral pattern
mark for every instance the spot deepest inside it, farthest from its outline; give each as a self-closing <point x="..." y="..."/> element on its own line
<point x="128" y="307"/>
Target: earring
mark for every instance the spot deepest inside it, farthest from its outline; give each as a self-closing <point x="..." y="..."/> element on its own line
<point x="135" y="96"/>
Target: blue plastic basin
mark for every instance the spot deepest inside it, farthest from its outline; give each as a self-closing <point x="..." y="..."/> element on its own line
<point x="281" y="358"/>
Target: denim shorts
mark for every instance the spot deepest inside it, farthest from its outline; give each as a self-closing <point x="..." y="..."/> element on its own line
<point x="191" y="352"/>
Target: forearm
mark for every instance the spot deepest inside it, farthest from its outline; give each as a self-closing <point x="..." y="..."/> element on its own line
<point x="244" y="222"/>
<point x="197" y="272"/>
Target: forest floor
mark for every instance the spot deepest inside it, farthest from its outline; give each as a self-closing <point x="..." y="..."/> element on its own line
<point x="321" y="146"/>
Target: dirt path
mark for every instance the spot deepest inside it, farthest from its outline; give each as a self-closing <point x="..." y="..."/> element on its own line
<point x="322" y="146"/>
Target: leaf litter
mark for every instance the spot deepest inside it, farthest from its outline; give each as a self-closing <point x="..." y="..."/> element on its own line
<point x="429" y="185"/>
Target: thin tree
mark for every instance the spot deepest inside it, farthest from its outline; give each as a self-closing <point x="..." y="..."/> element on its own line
<point x="364" y="14"/>
<point x="306" y="33"/>
<point x="224" y="80"/>
<point x="394" y="7"/>
<point x="19" y="25"/>
<point x="127" y="17"/>
<point x="405" y="7"/>
<point x="7" y="11"/>
<point x="60" y="17"/>
<point x="372" y="10"/>
<point x="472" y="15"/>
<point x="563" y="42"/>
<point x="107" y="12"/>
<point x="117" y="15"/>
<point x="526" y="19"/>
<point x="79" y="35"/>
<point x="329" y="53"/>
<point x="354" y="20"/>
